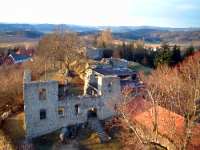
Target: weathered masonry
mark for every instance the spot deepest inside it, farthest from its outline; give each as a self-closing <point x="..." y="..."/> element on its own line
<point x="48" y="107"/>
<point x="46" y="111"/>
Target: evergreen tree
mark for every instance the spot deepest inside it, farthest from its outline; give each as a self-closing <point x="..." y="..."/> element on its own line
<point x="164" y="56"/>
<point x="176" y="55"/>
<point x="189" y="51"/>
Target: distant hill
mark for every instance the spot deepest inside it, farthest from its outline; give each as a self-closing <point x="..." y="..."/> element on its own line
<point x="160" y="35"/>
<point x="19" y="36"/>
<point x="149" y="33"/>
<point x="45" y="28"/>
<point x="28" y="34"/>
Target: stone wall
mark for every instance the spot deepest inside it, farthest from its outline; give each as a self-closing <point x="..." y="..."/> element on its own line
<point x="104" y="105"/>
<point x="35" y="126"/>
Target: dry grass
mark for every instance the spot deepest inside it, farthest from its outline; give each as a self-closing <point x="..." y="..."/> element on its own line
<point x="5" y="142"/>
<point x="93" y="143"/>
<point x="14" y="44"/>
<point x="11" y="87"/>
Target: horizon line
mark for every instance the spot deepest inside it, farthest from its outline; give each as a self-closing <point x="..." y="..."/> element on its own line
<point x="43" y="23"/>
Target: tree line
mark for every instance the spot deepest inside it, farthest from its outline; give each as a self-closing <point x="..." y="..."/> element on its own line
<point x="136" y="51"/>
<point x="165" y="55"/>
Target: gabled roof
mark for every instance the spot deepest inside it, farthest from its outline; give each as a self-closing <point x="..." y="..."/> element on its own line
<point x="170" y="124"/>
<point x="19" y="58"/>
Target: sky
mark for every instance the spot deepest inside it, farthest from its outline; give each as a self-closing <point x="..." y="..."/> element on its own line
<point x="164" y="13"/>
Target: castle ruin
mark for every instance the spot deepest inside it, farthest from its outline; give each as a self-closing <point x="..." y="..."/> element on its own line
<point x="47" y="107"/>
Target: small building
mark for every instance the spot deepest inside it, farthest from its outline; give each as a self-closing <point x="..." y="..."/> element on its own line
<point x="15" y="58"/>
<point x="170" y="125"/>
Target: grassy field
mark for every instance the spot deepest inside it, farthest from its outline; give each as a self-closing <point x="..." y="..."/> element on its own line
<point x="13" y="44"/>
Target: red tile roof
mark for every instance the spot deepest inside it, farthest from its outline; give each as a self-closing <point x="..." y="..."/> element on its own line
<point x="170" y="124"/>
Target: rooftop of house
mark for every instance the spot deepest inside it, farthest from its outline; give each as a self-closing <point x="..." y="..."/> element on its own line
<point x="170" y="124"/>
<point x="19" y="57"/>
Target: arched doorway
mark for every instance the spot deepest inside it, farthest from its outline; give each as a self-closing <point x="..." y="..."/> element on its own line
<point x="92" y="113"/>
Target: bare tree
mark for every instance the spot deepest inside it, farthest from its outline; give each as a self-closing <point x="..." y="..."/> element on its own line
<point x="104" y="39"/>
<point x="177" y="90"/>
<point x="11" y="87"/>
<point x="60" y="46"/>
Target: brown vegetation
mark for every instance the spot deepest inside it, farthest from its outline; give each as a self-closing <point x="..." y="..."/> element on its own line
<point x="5" y="142"/>
<point x="11" y="87"/>
<point x="104" y="39"/>
<point x="64" y="48"/>
<point x="172" y="100"/>
<point x="178" y="90"/>
<point x="11" y="77"/>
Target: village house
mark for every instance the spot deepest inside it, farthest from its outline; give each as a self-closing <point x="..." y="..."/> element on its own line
<point x="170" y="125"/>
<point x="15" y="58"/>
